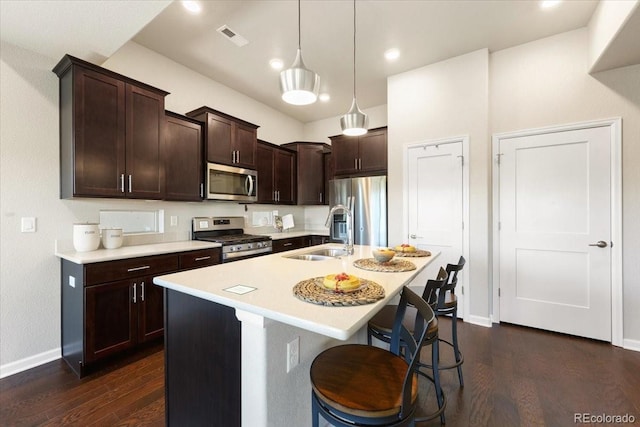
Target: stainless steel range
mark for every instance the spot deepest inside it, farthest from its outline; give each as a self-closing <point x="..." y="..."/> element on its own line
<point x="228" y="231"/>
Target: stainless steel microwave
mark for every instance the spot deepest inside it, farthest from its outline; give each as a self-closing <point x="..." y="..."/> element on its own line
<point x="231" y="183"/>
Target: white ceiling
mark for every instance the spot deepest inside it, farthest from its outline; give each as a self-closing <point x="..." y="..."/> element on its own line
<point x="425" y="31"/>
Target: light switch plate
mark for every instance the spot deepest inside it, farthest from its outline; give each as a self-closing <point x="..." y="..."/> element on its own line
<point x="28" y="225"/>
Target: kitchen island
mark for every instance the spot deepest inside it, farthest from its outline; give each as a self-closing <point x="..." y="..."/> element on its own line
<point x="227" y="354"/>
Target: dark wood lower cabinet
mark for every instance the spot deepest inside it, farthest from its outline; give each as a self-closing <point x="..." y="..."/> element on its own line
<point x="291" y="243"/>
<point x="110" y="317"/>
<point x="112" y="307"/>
<point x="150" y="311"/>
<point x="202" y="362"/>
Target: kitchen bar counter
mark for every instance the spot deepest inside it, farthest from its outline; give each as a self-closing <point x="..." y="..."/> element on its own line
<point x="273" y="277"/>
<point x="125" y="252"/>
<point x="227" y="355"/>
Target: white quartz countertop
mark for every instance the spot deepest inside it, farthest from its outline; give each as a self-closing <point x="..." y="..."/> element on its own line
<point x="124" y="252"/>
<point x="274" y="277"/>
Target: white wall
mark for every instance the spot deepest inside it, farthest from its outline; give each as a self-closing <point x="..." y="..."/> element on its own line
<point x="546" y="83"/>
<point x="29" y="177"/>
<point x="446" y="99"/>
<point x="605" y="24"/>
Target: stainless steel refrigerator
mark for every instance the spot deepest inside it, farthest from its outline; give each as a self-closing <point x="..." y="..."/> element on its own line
<point x="369" y="209"/>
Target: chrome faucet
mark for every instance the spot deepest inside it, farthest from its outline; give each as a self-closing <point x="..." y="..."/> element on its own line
<point x="348" y="241"/>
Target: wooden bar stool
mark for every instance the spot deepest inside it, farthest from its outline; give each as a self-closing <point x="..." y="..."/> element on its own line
<point x="380" y="327"/>
<point x="363" y="385"/>
<point x="448" y="304"/>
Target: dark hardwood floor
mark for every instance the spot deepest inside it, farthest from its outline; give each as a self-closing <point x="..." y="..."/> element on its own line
<point x="514" y="376"/>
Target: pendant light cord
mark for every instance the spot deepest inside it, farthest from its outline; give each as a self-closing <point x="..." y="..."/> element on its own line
<point x="299" y="42"/>
<point x="354" y="49"/>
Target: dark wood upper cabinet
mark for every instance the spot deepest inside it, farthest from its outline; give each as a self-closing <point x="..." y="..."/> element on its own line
<point x="183" y="158"/>
<point x="310" y="172"/>
<point x="144" y="143"/>
<point x="276" y="174"/>
<point x="111" y="133"/>
<point x="360" y="155"/>
<point x="228" y="140"/>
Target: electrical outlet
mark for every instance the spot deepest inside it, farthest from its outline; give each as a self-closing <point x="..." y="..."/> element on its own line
<point x="72" y="281"/>
<point x="174" y="220"/>
<point x="293" y="353"/>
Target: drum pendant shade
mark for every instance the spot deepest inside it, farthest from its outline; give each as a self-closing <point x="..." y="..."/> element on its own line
<point x="298" y="84"/>
<point x="355" y="122"/>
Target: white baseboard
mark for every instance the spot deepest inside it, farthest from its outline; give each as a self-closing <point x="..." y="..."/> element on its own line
<point x="478" y="320"/>
<point x="631" y="345"/>
<point x="29" y="362"/>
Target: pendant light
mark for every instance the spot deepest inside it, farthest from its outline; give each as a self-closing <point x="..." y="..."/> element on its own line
<point x="298" y="84"/>
<point x="355" y="122"/>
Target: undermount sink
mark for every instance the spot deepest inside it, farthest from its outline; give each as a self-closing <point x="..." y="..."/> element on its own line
<point x="328" y="252"/>
<point x="319" y="254"/>
<point x="309" y="257"/>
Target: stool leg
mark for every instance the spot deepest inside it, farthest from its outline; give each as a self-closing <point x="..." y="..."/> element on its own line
<point x="435" y="354"/>
<point x="314" y="412"/>
<point x="456" y="349"/>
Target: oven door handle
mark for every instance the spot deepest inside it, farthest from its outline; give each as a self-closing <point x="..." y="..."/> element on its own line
<point x="248" y="188"/>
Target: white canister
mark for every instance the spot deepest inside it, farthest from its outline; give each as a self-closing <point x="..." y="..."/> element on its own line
<point x="111" y="238"/>
<point x="86" y="237"/>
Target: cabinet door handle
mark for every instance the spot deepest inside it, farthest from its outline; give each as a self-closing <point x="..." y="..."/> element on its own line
<point x="320" y="197"/>
<point x="355" y="163"/>
<point x="359" y="164"/>
<point x="202" y="258"/>
<point x="238" y="156"/>
<point x="202" y="190"/>
<point x="287" y="244"/>
<point x="130" y="181"/>
<point x="134" y="293"/>
<point x="142" y="292"/>
<point x="122" y="183"/>
<point x="144" y="267"/>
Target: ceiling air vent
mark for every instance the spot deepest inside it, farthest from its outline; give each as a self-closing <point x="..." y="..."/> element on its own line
<point x="232" y="36"/>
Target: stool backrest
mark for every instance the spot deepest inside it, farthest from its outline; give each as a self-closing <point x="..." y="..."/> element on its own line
<point x="452" y="281"/>
<point x="404" y="343"/>
<point x="432" y="288"/>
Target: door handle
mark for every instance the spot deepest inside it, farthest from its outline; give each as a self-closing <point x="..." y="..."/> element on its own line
<point x="413" y="236"/>
<point x="600" y="244"/>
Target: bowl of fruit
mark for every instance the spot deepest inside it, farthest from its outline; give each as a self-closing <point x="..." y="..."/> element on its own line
<point x="383" y="254"/>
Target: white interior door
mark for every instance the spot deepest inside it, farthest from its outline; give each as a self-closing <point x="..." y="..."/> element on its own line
<point x="435" y="204"/>
<point x="555" y="204"/>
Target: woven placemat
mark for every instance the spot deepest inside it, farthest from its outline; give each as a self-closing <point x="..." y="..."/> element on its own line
<point x="312" y="290"/>
<point x="417" y="253"/>
<point x="395" y="265"/>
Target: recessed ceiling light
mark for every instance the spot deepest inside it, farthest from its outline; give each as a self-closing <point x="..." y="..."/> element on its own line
<point x="324" y="97"/>
<point x="276" y="64"/>
<point x="192" y="6"/>
<point x="392" y="54"/>
<point x="548" y="4"/>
